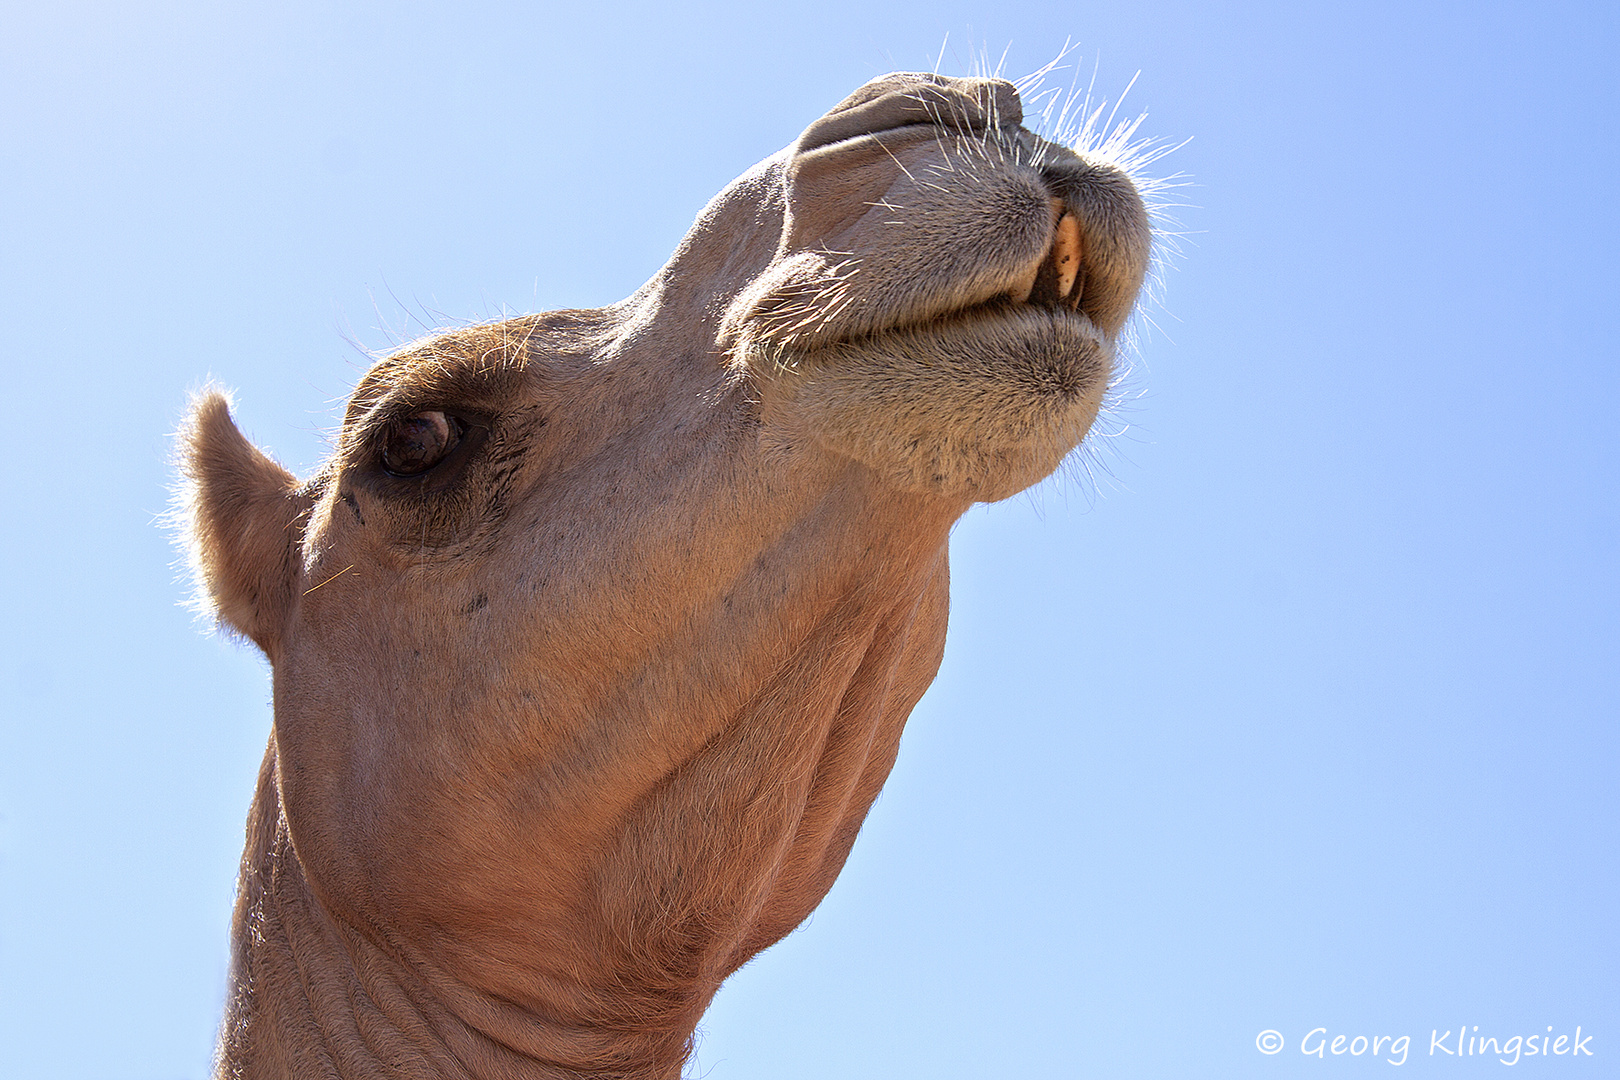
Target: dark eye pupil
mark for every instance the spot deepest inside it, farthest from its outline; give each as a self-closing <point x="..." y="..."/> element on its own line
<point x="420" y="441"/>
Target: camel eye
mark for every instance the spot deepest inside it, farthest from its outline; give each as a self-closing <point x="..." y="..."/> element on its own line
<point x="419" y="441"/>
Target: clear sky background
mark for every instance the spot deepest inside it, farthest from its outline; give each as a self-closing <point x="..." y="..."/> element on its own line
<point x="1301" y="714"/>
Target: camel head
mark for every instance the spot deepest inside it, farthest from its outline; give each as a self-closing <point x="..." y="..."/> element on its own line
<point x="593" y="641"/>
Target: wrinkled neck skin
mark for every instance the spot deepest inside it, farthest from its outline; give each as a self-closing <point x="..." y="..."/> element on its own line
<point x="574" y="842"/>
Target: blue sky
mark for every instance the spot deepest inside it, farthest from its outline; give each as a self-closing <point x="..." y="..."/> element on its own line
<point x="1301" y="713"/>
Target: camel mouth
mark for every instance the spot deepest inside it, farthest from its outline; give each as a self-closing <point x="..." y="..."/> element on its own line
<point x="957" y="226"/>
<point x="1053" y="286"/>
<point x="1025" y="246"/>
<point x="1003" y="326"/>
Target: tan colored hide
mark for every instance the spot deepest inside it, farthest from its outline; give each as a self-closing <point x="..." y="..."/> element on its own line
<point x="593" y="642"/>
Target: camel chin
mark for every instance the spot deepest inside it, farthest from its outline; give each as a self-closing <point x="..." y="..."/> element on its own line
<point x="974" y="408"/>
<point x="593" y="641"/>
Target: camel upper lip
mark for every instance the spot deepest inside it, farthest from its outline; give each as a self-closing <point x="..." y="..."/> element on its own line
<point x="1056" y="283"/>
<point x="796" y="318"/>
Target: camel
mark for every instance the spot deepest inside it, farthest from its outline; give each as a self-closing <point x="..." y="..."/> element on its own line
<point x="593" y="641"/>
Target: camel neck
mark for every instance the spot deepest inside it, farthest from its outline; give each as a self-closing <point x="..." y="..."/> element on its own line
<point x="312" y="997"/>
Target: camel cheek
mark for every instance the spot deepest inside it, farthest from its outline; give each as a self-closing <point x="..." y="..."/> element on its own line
<point x="243" y="516"/>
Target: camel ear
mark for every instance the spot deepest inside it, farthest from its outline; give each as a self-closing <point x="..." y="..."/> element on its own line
<point x="243" y="517"/>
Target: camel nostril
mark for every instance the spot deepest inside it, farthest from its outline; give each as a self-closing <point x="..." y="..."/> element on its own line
<point x="961" y="106"/>
<point x="416" y="443"/>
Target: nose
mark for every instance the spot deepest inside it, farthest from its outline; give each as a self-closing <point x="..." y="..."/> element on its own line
<point x="898" y="100"/>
